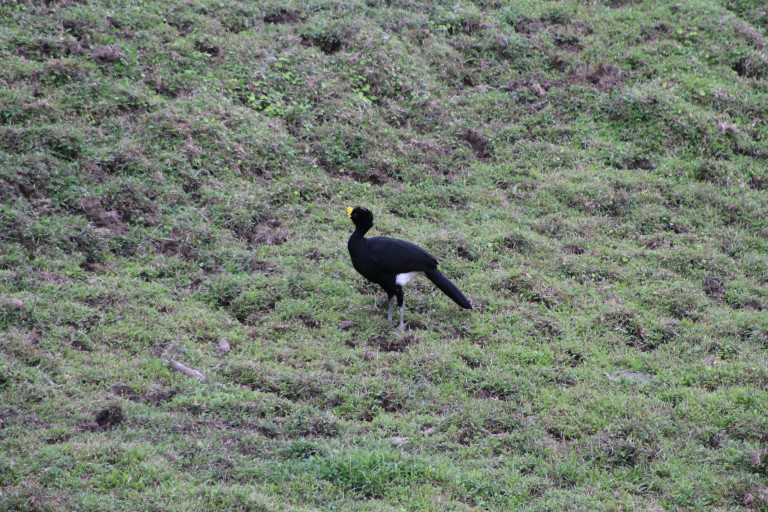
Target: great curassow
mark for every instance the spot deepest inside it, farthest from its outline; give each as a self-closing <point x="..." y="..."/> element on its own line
<point x="391" y="263"/>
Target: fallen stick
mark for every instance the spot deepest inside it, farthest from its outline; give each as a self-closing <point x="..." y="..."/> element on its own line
<point x="186" y="370"/>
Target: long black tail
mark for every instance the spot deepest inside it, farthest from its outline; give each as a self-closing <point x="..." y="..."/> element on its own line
<point x="448" y="288"/>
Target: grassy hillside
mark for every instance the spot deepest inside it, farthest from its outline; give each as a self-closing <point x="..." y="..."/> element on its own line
<point x="592" y="175"/>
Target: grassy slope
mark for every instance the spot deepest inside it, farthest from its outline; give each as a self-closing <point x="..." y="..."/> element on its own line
<point x="592" y="174"/>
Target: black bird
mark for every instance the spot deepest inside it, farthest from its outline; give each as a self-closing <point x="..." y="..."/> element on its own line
<point x="391" y="263"/>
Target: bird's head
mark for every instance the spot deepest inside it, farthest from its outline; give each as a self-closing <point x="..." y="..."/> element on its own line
<point x="361" y="217"/>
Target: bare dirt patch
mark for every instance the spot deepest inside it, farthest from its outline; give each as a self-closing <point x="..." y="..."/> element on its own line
<point x="105" y="419"/>
<point x="574" y="358"/>
<point x="206" y="47"/>
<point x="713" y="286"/>
<point x="570" y="42"/>
<point x="282" y="15"/>
<point x="573" y="249"/>
<point x="393" y="344"/>
<point x="261" y="232"/>
<point x="328" y="44"/>
<point x="638" y="162"/>
<point x="605" y="77"/>
<point x="655" y="32"/>
<point x="544" y="329"/>
<point x="374" y="177"/>
<point x="479" y="143"/>
<point x="658" y="241"/>
<point x="314" y="254"/>
<point x="95" y="212"/>
<point x="150" y="397"/>
<point x="751" y="66"/>
<point x="463" y="252"/>
<point x="627" y="323"/>
<point x="109" y="54"/>
<point x="308" y="321"/>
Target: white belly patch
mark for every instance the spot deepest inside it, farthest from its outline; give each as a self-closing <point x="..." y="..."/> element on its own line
<point x="402" y="279"/>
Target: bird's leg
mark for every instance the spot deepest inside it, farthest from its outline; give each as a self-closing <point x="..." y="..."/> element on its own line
<point x="399" y="294"/>
<point x="391" y="309"/>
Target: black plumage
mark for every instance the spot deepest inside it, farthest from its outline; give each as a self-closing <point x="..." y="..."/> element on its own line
<point x="391" y="263"/>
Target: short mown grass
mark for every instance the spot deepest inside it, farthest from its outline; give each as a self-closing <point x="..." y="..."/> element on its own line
<point x="592" y="175"/>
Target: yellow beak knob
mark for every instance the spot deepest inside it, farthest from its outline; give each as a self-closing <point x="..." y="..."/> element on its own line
<point x="349" y="212"/>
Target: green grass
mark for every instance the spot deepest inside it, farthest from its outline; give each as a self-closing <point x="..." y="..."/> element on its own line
<point x="591" y="174"/>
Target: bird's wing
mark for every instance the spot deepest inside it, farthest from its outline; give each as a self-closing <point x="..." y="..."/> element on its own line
<point x="398" y="256"/>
